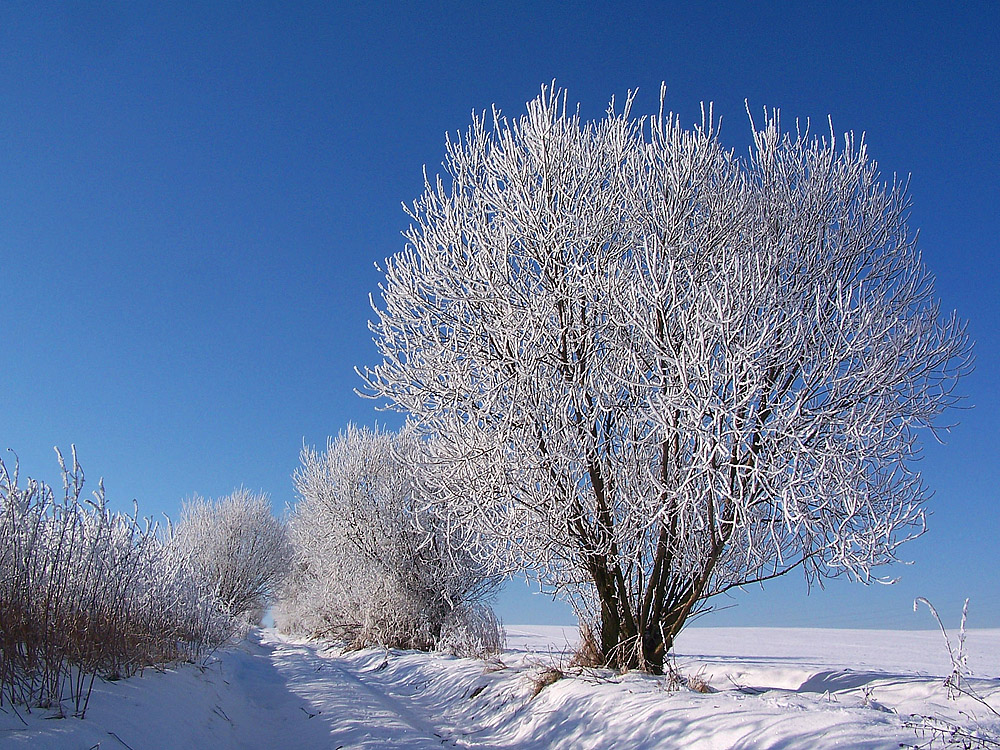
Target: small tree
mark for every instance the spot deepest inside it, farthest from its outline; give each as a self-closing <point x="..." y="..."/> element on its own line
<point x="371" y="565"/>
<point x="655" y="371"/>
<point x="237" y="548"/>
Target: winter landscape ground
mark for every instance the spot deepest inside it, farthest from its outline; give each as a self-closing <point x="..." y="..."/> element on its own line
<point x="769" y="688"/>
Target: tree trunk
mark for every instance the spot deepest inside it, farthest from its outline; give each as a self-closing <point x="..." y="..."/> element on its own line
<point x="620" y="637"/>
<point x="619" y="640"/>
<point x="654" y="650"/>
<point x="611" y="624"/>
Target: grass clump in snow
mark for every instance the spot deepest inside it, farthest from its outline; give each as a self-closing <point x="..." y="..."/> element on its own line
<point x="588" y="652"/>
<point x="938" y="731"/>
<point x="544" y="678"/>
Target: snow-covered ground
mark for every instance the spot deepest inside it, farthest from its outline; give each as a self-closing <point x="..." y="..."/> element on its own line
<point x="771" y="688"/>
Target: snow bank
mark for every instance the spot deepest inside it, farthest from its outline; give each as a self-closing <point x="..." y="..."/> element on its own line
<point x="770" y="688"/>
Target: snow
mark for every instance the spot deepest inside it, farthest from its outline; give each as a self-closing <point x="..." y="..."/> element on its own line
<point x="773" y="688"/>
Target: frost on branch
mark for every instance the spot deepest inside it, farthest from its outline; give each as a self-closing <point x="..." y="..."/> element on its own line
<point x="371" y="566"/>
<point x="236" y="548"/>
<point x="653" y="371"/>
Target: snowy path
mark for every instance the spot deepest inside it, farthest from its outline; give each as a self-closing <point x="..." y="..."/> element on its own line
<point x="357" y="714"/>
<point x="266" y="694"/>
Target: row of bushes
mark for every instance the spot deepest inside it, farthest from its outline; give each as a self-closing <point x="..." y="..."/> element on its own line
<point x="86" y="592"/>
<point x="89" y="593"/>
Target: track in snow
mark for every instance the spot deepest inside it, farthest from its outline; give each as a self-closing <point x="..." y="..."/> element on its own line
<point x="265" y="694"/>
<point x="357" y="714"/>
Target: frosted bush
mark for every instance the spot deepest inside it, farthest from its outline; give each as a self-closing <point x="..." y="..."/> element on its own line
<point x="473" y="631"/>
<point x="236" y="548"/>
<point x="86" y="592"/>
<point x="371" y="565"/>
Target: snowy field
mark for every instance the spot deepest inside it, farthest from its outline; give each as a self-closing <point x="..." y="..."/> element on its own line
<point x="770" y="688"/>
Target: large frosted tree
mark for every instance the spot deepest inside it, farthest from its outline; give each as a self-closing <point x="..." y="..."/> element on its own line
<point x="651" y="370"/>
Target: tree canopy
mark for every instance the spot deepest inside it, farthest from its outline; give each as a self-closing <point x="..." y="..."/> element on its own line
<point x="652" y="370"/>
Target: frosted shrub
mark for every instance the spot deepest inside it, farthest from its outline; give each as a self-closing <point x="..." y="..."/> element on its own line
<point x="472" y="630"/>
<point x="85" y="592"/>
<point x="237" y="550"/>
<point x="371" y="565"/>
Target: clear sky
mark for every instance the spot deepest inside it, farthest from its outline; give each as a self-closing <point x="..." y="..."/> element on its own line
<point x="192" y="197"/>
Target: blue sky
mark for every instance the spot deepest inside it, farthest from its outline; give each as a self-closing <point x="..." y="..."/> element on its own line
<point x="192" y="198"/>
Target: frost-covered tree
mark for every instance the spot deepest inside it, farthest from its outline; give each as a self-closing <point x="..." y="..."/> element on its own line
<point x="236" y="548"/>
<point x="654" y="370"/>
<point x="371" y="566"/>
